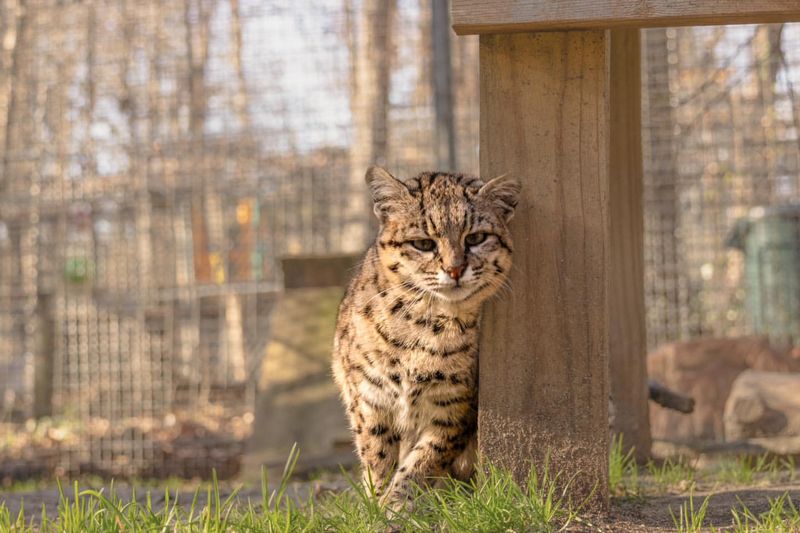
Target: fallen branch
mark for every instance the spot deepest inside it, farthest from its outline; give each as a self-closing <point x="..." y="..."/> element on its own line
<point x="669" y="399"/>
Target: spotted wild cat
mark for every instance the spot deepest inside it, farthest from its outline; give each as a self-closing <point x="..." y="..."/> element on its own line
<point x="406" y="345"/>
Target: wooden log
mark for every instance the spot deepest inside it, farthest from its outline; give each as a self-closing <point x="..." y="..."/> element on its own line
<point x="503" y="16"/>
<point x="544" y="347"/>
<point x="705" y="369"/>
<point x="627" y="339"/>
<point x="763" y="404"/>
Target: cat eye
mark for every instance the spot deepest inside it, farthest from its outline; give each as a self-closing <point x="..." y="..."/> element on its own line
<point x="474" y="239"/>
<point x="424" y="245"/>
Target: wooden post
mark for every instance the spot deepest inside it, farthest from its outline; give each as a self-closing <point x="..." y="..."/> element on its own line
<point x="43" y="359"/>
<point x="627" y="340"/>
<point x="544" y="349"/>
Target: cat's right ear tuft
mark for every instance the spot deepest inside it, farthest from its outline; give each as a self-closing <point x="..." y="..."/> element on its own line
<point x="388" y="193"/>
<point x="503" y="192"/>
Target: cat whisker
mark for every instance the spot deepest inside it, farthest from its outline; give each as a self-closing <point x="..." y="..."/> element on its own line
<point x="402" y="285"/>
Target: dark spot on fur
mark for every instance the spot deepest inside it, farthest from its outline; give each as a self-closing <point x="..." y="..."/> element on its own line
<point x="497" y="267"/>
<point x="439" y="375"/>
<point x="394" y="267"/>
<point x="452" y="401"/>
<point x="371" y="379"/>
<point x="397" y="307"/>
<point x="395" y="378"/>
<point x="378" y="430"/>
<point x="390" y="340"/>
<point x="459" y="445"/>
<point x="448" y="353"/>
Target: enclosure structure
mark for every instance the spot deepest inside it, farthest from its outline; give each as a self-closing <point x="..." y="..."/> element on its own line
<point x="157" y="160"/>
<point x="559" y="94"/>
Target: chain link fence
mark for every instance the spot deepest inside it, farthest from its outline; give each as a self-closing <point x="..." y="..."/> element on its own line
<point x="158" y="160"/>
<point x="721" y="122"/>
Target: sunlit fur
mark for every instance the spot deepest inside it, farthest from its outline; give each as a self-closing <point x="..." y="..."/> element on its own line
<point x="406" y="347"/>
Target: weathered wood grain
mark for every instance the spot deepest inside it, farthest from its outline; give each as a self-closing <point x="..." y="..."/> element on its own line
<point x="500" y="16"/>
<point x="627" y="339"/>
<point x="544" y="348"/>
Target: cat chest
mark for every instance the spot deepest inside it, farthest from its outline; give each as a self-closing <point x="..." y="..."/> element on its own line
<point x="413" y="395"/>
<point x="419" y="399"/>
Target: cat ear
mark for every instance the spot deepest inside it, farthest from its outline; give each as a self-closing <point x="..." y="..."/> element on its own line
<point x="388" y="192"/>
<point x="503" y="193"/>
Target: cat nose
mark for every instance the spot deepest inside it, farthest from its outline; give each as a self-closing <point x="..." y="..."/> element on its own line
<point x="456" y="271"/>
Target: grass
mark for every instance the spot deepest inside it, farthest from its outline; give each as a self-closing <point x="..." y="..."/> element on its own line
<point x="672" y="474"/>
<point x="746" y="470"/>
<point x="781" y="516"/>
<point x="689" y="520"/>
<point x="492" y="502"/>
<point x="677" y="475"/>
<point x="623" y="472"/>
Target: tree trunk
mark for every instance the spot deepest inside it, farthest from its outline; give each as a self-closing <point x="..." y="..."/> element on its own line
<point x="442" y="76"/>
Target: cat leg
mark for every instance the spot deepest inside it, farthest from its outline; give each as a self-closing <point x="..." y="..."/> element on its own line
<point x="464" y="465"/>
<point x="377" y="445"/>
<point x="428" y="461"/>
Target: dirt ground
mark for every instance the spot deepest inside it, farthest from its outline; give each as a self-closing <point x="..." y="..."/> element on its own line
<point x="652" y="513"/>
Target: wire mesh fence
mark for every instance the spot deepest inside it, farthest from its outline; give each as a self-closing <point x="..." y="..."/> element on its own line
<point x="720" y="139"/>
<point x="159" y="158"/>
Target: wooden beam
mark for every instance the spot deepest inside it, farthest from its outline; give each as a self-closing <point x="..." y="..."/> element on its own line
<point x="502" y="16"/>
<point x="544" y="353"/>
<point x="627" y="339"/>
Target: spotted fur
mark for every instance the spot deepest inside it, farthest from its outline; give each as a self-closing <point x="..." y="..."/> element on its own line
<point x="406" y="346"/>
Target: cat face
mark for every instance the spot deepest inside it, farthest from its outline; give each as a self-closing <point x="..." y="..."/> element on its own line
<point x="444" y="234"/>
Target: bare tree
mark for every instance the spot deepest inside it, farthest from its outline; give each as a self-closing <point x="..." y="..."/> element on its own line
<point x="370" y="54"/>
<point x="442" y="76"/>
